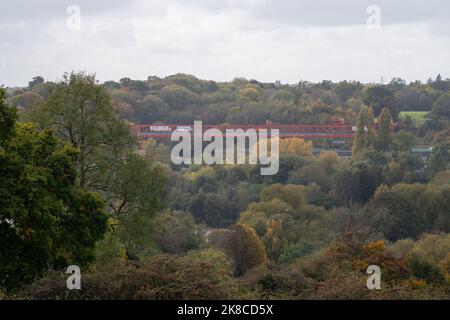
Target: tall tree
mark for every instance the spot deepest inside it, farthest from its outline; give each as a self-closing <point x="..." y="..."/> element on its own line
<point x="439" y="159"/>
<point x="46" y="221"/>
<point x="274" y="239"/>
<point x="379" y="97"/>
<point x="8" y="118"/>
<point x="441" y="108"/>
<point x="35" y="81"/>
<point x="394" y="213"/>
<point x="360" y="139"/>
<point x="384" y="130"/>
<point x="245" y="248"/>
<point x="135" y="192"/>
<point x="81" y="112"/>
<point x="371" y="134"/>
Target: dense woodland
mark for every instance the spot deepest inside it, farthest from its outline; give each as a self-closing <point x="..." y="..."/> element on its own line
<point x="77" y="188"/>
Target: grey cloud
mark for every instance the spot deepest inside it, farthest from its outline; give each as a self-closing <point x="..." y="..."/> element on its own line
<point x="219" y="40"/>
<point x="42" y="11"/>
<point x="332" y="13"/>
<point x="295" y="12"/>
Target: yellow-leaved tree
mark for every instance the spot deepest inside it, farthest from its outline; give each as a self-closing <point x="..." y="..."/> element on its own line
<point x="297" y="146"/>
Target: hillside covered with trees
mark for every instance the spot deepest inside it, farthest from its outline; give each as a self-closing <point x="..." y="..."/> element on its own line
<point x="76" y="188"/>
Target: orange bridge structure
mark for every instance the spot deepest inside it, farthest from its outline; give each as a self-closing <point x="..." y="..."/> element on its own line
<point x="334" y="131"/>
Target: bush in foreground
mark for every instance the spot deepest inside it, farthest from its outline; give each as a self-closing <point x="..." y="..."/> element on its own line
<point x="198" y="275"/>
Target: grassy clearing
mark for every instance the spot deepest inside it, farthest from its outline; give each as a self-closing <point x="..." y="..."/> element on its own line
<point x="419" y="117"/>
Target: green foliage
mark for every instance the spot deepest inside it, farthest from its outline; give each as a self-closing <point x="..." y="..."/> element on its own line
<point x="109" y="252"/>
<point x="198" y="275"/>
<point x="8" y="117"/>
<point x="26" y="99"/>
<point x="296" y="251"/>
<point x="426" y="271"/>
<point x="273" y="207"/>
<point x="401" y="248"/>
<point x="360" y="139"/>
<point x="255" y="219"/>
<point x="432" y="248"/>
<point x="309" y="174"/>
<point x="285" y="218"/>
<point x="212" y="209"/>
<point x="398" y="213"/>
<point x="274" y="238"/>
<point x="35" y="81"/>
<point x="152" y="109"/>
<point x="244" y="248"/>
<point x="177" y="96"/>
<point x="371" y="133"/>
<point x="356" y="183"/>
<point x="316" y="249"/>
<point x="176" y="233"/>
<point x="384" y="131"/>
<point x="291" y="194"/>
<point x="135" y="202"/>
<point x="44" y="216"/>
<point x="81" y="112"/>
<point x="249" y="93"/>
<point x="403" y="140"/>
<point x="419" y="117"/>
<point x="379" y="97"/>
<point x="408" y="210"/>
<point x="442" y="106"/>
<point x="130" y="194"/>
<point x="365" y="136"/>
<point x="439" y="160"/>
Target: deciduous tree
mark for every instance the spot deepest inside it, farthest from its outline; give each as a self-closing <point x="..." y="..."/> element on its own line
<point x="46" y="220"/>
<point x="245" y="248"/>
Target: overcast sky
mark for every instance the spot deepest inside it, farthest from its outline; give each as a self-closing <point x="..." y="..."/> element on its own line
<point x="267" y="40"/>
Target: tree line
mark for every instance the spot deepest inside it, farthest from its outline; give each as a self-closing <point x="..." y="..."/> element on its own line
<point x="76" y="189"/>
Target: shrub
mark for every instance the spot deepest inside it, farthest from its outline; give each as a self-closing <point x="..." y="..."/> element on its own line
<point x="400" y="248"/>
<point x="176" y="233"/>
<point x="278" y="282"/>
<point x="245" y="248"/>
<point x="432" y="247"/>
<point x="297" y="250"/>
<point x="109" y="252"/>
<point x="425" y="270"/>
<point x="198" y="275"/>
